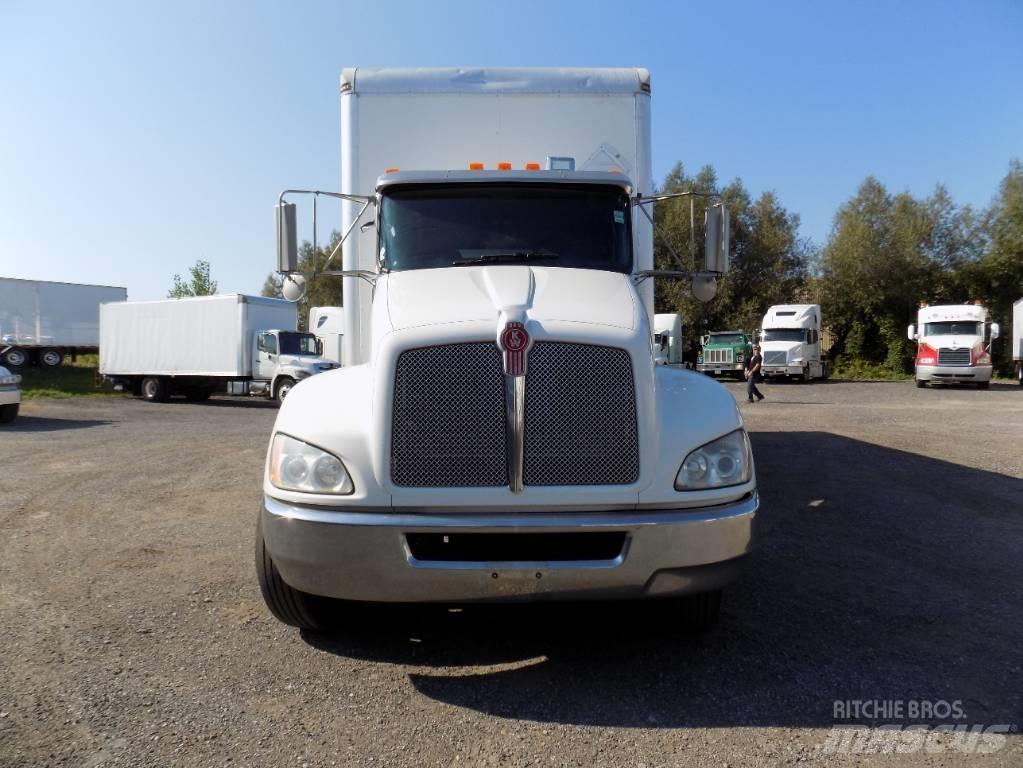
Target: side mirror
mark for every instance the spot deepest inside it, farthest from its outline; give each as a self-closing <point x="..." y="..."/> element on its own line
<point x="715" y="239"/>
<point x="287" y="237"/>
<point x="911" y="333"/>
<point x="319" y="347"/>
<point x="995" y="331"/>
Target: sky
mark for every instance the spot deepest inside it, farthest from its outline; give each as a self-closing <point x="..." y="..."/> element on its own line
<point x="136" y="138"/>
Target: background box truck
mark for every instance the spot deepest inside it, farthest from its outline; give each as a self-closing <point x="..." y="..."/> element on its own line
<point x="41" y="322"/>
<point x="500" y="430"/>
<point x="327" y="324"/>
<point x="244" y="345"/>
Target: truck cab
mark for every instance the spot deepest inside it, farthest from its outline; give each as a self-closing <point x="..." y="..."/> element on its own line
<point x="725" y="352"/>
<point x="790" y="343"/>
<point x="953" y="344"/>
<point x="501" y="431"/>
<point x="284" y="358"/>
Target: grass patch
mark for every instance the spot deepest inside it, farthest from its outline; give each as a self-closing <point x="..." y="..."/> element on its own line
<point x="861" y="370"/>
<point x="76" y="379"/>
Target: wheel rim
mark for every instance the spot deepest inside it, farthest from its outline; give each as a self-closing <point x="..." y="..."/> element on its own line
<point x="149" y="389"/>
<point x="16" y="358"/>
<point x="282" y="391"/>
<point x="51" y="358"/>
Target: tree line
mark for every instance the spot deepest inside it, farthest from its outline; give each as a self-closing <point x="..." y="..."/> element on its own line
<point x="886" y="252"/>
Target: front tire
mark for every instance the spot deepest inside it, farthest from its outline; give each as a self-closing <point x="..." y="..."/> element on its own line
<point x="8" y="413"/>
<point x="51" y="358"/>
<point x="920" y="383"/>
<point x="284" y="386"/>
<point x="291" y="606"/>
<point x="805" y="378"/>
<point x="155" y="390"/>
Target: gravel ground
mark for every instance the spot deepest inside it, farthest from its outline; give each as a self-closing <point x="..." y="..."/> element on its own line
<point x="133" y="633"/>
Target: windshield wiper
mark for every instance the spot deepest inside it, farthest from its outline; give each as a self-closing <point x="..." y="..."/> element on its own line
<point x="498" y="258"/>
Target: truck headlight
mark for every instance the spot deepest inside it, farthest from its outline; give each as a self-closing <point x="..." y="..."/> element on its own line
<point x="718" y="464"/>
<point x="298" y="466"/>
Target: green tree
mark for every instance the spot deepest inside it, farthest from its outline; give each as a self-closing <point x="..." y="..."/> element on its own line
<point x="768" y="259"/>
<point x="321" y="290"/>
<point x="199" y="283"/>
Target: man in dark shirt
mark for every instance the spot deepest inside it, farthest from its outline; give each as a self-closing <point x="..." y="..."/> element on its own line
<point x="753" y="374"/>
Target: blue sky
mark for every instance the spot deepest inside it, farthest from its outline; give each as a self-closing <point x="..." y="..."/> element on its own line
<point x="136" y="138"/>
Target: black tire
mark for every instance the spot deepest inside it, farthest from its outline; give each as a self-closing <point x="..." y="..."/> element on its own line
<point x="1019" y="373"/>
<point x="292" y="606"/>
<point x="282" y="387"/>
<point x="920" y="383"/>
<point x="805" y="377"/>
<point x="155" y="389"/>
<point x="699" y="613"/>
<point x="825" y="372"/>
<point x="15" y="358"/>
<point x="198" y="394"/>
<point x="51" y="358"/>
<point x="8" y="413"/>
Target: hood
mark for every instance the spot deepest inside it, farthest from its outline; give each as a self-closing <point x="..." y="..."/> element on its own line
<point x="964" y="341"/>
<point x="303" y="361"/>
<point x="780" y="346"/>
<point x="434" y="296"/>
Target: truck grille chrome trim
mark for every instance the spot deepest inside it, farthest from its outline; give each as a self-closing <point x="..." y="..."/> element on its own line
<point x="947" y="356"/>
<point x="717" y="356"/>
<point x="451" y="416"/>
<point x="515" y="422"/>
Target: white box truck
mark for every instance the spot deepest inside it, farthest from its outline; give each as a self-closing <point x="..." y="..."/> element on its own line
<point x="327" y="324"/>
<point x="953" y="344"/>
<point x="790" y="343"/>
<point x="499" y="430"/>
<point x="1017" y="339"/>
<point x="42" y="322"/>
<point x="241" y="345"/>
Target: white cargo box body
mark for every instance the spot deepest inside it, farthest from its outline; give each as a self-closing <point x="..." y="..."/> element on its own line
<point x="204" y="336"/>
<point x="42" y="313"/>
<point x="1017" y="330"/>
<point x="443" y="119"/>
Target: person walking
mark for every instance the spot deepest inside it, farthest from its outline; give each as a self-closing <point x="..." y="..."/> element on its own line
<point x="753" y="375"/>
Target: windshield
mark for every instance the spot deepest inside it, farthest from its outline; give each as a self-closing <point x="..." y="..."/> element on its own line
<point x="562" y="225"/>
<point x="725" y="338"/>
<point x="297" y="343"/>
<point x="784" y="334"/>
<point x="954" y="328"/>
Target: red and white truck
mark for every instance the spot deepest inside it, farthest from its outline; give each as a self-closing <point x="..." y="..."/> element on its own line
<point x="953" y="344"/>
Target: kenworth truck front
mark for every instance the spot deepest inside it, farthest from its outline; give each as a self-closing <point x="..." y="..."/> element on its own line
<point x="500" y="430"/>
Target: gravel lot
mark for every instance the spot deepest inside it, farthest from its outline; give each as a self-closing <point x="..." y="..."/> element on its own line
<point x="890" y="566"/>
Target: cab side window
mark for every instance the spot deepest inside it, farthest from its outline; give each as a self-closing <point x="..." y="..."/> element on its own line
<point x="268" y="343"/>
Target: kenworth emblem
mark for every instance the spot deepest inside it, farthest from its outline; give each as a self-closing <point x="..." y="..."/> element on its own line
<point x="514" y="342"/>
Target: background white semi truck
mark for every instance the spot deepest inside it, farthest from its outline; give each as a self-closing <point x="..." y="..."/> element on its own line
<point x="953" y="344"/>
<point x="668" y="339"/>
<point x="241" y="345"/>
<point x="500" y="430"/>
<point x="328" y="325"/>
<point x="790" y="342"/>
<point x="42" y="322"/>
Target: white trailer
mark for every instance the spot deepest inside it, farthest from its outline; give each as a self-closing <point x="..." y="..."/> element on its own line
<point x="500" y="430"/>
<point x="41" y="322"/>
<point x="953" y="345"/>
<point x="668" y="341"/>
<point x="1017" y="339"/>
<point x="244" y="345"/>
<point x="327" y="324"/>
<point x="790" y="343"/>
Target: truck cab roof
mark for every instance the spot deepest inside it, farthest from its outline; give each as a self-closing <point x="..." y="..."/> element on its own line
<point x="604" y="178"/>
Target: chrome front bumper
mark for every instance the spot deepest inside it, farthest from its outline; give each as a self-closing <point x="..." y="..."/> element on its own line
<point x="9" y="395"/>
<point x="365" y="555"/>
<point x="953" y="372"/>
<point x="730" y="367"/>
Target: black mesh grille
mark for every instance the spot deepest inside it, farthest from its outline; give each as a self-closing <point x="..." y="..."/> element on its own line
<point x="947" y="356"/>
<point x="449" y="417"/>
<point x="580" y="416"/>
<point x="448" y="426"/>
